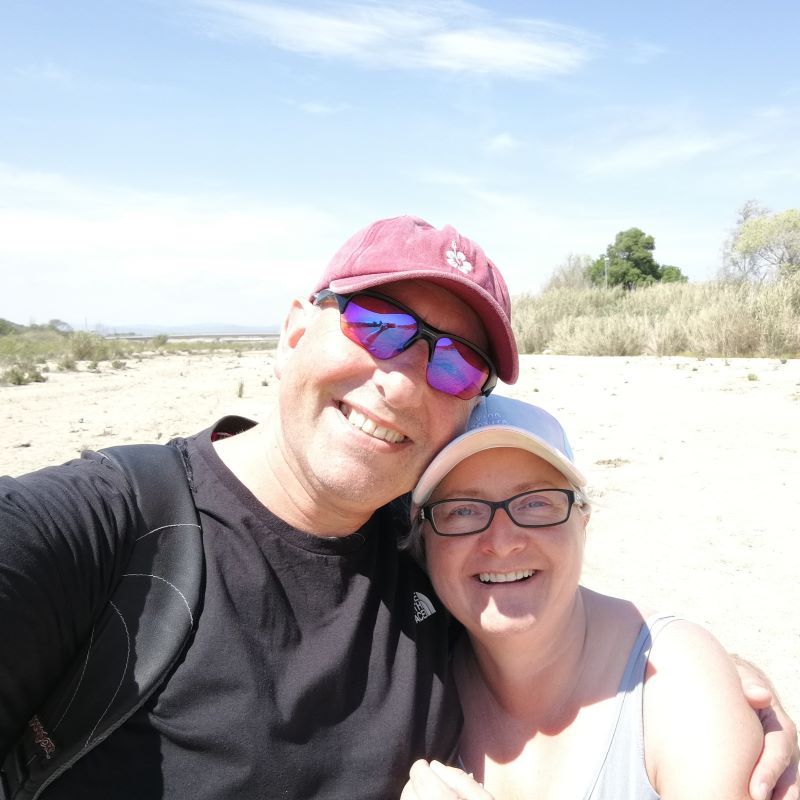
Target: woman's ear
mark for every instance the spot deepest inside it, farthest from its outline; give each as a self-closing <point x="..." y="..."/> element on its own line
<point x="294" y="327"/>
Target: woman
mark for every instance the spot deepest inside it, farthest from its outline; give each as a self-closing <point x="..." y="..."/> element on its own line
<point x="566" y="693"/>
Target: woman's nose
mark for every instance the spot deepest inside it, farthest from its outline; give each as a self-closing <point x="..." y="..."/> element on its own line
<point x="503" y="536"/>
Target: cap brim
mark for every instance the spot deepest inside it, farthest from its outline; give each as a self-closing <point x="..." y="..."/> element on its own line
<point x="488" y="438"/>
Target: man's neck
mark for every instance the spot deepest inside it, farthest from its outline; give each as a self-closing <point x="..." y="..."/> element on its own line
<point x="255" y="459"/>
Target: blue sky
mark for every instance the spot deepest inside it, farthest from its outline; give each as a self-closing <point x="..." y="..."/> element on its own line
<point x="200" y="160"/>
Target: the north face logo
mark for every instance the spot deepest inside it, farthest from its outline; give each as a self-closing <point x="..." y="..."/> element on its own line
<point x="423" y="607"/>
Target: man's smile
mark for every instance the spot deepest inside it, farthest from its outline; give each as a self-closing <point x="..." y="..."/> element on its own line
<point x="370" y="427"/>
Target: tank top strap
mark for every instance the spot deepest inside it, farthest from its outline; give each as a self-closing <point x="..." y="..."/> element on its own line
<point x="621" y="759"/>
<point x="640" y="651"/>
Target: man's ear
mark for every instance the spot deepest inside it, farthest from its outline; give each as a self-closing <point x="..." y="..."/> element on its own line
<point x="294" y="327"/>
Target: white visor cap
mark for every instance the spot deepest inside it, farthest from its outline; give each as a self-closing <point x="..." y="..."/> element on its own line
<point x="503" y="422"/>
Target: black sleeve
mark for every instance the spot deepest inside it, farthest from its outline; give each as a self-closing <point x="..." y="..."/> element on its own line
<point x="65" y="533"/>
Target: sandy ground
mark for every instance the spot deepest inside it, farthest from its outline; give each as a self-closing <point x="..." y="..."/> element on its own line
<point x="694" y="468"/>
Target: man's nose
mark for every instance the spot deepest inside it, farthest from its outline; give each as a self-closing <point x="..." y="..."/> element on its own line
<point x="402" y="379"/>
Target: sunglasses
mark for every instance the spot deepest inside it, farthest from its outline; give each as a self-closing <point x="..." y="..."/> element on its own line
<point x="385" y="328"/>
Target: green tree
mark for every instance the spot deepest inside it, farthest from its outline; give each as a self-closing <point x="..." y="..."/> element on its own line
<point x="60" y="326"/>
<point x="629" y="263"/>
<point x="772" y="242"/>
<point x="670" y="274"/>
<point x="736" y="266"/>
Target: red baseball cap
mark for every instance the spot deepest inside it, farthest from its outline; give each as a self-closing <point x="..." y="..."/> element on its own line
<point x="408" y="248"/>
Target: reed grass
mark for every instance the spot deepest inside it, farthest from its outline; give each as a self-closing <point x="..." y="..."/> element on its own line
<point x="702" y="319"/>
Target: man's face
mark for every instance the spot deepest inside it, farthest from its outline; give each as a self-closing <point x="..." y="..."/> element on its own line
<point x="357" y="431"/>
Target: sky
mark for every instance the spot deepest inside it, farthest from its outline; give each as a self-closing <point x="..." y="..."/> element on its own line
<point x="178" y="162"/>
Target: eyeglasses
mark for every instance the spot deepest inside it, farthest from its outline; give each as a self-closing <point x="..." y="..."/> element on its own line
<point x="385" y="328"/>
<point x="461" y="516"/>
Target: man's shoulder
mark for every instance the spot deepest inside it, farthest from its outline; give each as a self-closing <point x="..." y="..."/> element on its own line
<point x="90" y="474"/>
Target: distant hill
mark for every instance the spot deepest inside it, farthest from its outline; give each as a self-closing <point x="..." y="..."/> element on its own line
<point x="6" y="327"/>
<point x="136" y="329"/>
<point x="200" y="328"/>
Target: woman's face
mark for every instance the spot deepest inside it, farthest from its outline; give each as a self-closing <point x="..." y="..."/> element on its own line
<point x="506" y="579"/>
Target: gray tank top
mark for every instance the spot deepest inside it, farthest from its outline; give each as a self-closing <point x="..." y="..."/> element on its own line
<point x="621" y="774"/>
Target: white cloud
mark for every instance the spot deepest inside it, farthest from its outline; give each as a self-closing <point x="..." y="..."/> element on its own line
<point x="529" y="50"/>
<point x="449" y="179"/>
<point x="644" y="52"/>
<point x="502" y="143"/>
<point x="316" y="108"/>
<point x="45" y="72"/>
<point x="111" y="254"/>
<point x="651" y="152"/>
<point x="452" y="37"/>
<point x="773" y="113"/>
<point x="321" y="109"/>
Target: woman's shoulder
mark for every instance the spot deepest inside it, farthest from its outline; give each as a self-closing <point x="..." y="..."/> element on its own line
<point x="701" y="737"/>
<point x="616" y="618"/>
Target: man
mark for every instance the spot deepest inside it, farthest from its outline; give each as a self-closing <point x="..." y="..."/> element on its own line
<point x="318" y="664"/>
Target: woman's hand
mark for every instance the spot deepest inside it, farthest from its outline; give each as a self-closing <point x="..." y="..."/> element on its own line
<point x="435" y="781"/>
<point x="775" y="774"/>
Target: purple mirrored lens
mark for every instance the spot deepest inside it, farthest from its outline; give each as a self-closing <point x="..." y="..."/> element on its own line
<point x="378" y="326"/>
<point x="457" y="369"/>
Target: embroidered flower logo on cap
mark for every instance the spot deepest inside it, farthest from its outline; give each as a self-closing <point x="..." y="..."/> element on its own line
<point x="456" y="259"/>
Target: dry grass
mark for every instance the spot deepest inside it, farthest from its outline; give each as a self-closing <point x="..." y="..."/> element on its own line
<point x="25" y="352"/>
<point x="703" y="319"/>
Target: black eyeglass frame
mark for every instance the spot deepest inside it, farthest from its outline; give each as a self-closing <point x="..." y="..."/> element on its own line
<point x="426" y="511"/>
<point x="427" y="332"/>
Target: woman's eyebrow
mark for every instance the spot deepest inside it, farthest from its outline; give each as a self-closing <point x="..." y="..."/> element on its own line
<point x="477" y="492"/>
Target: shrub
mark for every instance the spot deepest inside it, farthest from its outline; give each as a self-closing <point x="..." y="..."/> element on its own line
<point x="86" y="346"/>
<point x="14" y="376"/>
<point x="21" y="374"/>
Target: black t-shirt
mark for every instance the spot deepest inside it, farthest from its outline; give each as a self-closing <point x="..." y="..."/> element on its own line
<point x="319" y="667"/>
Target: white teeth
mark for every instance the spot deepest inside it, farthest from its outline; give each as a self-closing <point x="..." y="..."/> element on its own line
<point x="506" y="577"/>
<point x="371" y="428"/>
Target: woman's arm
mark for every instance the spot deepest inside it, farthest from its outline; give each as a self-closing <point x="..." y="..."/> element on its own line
<point x="701" y="737"/>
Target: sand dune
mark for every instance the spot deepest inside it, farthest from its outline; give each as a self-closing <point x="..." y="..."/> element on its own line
<point x="694" y="468"/>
